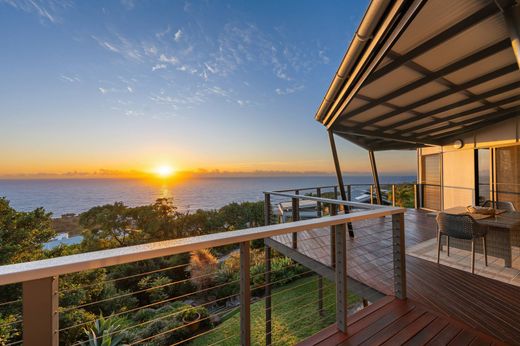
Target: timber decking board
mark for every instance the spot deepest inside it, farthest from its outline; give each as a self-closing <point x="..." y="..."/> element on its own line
<point x="397" y="322"/>
<point x="489" y="306"/>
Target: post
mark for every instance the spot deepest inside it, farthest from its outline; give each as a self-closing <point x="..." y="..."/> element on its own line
<point x="341" y="278"/>
<point x="335" y="192"/>
<point x="245" y="295"/>
<point x="318" y="204"/>
<point x="399" y="255"/>
<point x="40" y="312"/>
<point x="267" y="249"/>
<point x="375" y="176"/>
<point x="339" y="177"/>
<point x="333" y="211"/>
<point x="320" y="296"/>
<point x="295" y="217"/>
<point x="268" y="322"/>
<point x="267" y="209"/>
<point x="393" y="195"/>
<point x="371" y="194"/>
<point x="416" y="196"/>
<point x="349" y="192"/>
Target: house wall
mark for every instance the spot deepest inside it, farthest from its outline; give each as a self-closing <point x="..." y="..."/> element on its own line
<point x="458" y="165"/>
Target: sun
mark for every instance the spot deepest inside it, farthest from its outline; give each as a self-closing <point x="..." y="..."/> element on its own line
<point x="164" y="171"/>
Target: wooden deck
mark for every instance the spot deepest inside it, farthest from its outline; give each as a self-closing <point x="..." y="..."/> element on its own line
<point x="391" y="321"/>
<point x="488" y="306"/>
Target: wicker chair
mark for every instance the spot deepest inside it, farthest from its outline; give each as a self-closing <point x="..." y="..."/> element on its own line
<point x="460" y="227"/>
<point x="509" y="206"/>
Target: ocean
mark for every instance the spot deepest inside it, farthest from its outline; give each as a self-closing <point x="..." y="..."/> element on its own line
<point x="62" y="196"/>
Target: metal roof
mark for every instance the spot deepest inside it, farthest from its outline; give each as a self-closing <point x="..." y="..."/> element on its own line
<point x="423" y="72"/>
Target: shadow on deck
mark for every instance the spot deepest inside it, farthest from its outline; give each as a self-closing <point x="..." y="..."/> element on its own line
<point x="435" y="292"/>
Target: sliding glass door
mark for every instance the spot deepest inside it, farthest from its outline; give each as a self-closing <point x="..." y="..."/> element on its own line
<point x="507" y="175"/>
<point x="431" y="181"/>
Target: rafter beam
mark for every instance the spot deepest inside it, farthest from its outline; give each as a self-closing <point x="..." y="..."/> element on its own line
<point x="464" y="62"/>
<point x="477" y="17"/>
<point x="512" y="16"/>
<point x="381" y="135"/>
<point x="469" y="84"/>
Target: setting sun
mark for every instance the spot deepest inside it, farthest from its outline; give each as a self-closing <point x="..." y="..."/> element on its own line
<point x="164" y="171"/>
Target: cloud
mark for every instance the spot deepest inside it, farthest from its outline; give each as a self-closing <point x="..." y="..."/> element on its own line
<point x="324" y="58"/>
<point x="128" y="4"/>
<point x="120" y="45"/>
<point x="169" y="59"/>
<point x="161" y="34"/>
<point x="289" y="90"/>
<point x="178" y="35"/>
<point x="130" y="89"/>
<point x="46" y="10"/>
<point x="158" y="67"/>
<point x="103" y="90"/>
<point x="71" y="79"/>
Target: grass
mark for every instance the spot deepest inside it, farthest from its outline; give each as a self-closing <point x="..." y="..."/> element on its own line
<point x="294" y="315"/>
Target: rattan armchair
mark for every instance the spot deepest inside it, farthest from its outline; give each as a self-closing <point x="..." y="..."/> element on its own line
<point x="509" y="206"/>
<point x="460" y="227"/>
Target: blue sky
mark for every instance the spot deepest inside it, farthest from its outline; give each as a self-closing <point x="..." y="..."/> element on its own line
<point x="129" y="85"/>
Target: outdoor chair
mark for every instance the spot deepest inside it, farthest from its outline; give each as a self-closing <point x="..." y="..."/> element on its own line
<point x="460" y="227"/>
<point x="509" y="206"/>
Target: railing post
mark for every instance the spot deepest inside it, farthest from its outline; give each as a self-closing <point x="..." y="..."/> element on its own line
<point x="335" y="192"/>
<point x="267" y="209"/>
<point x="349" y="192"/>
<point x="371" y="194"/>
<point x="245" y="295"/>
<point x="393" y="195"/>
<point x="416" y="196"/>
<point x="341" y="277"/>
<point x="295" y="217"/>
<point x="268" y="305"/>
<point x="40" y="312"/>
<point x="399" y="255"/>
<point x="320" y="296"/>
<point x="333" y="211"/>
<point x="318" y="204"/>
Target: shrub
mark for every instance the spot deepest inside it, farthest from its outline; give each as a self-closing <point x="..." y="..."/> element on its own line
<point x="202" y="265"/>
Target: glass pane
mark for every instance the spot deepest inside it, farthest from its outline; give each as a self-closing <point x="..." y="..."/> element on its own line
<point x="508" y="175"/>
<point x="484" y="188"/>
<point x="431" y="180"/>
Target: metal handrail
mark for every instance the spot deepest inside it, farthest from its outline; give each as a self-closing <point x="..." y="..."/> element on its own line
<point x="22" y="272"/>
<point x="328" y="200"/>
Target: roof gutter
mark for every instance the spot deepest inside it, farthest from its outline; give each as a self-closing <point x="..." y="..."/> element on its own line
<point x="364" y="33"/>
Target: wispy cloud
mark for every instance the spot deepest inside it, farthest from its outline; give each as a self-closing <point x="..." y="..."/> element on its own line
<point x="289" y="90"/>
<point x="121" y="45"/>
<point x="70" y="79"/>
<point x="158" y="67"/>
<point x="46" y="10"/>
<point x="169" y="59"/>
<point x="178" y="35"/>
<point x="128" y="4"/>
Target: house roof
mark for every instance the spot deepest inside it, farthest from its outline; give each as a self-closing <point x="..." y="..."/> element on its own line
<point x="424" y="72"/>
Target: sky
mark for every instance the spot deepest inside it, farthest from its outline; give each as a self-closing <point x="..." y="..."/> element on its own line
<point x="117" y="86"/>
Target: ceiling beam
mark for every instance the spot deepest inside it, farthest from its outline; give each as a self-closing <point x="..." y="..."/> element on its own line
<point x="436" y="121"/>
<point x="512" y="16"/>
<point x="381" y="135"/>
<point x="446" y="137"/>
<point x="469" y="84"/>
<point x="463" y="25"/>
<point x="464" y="62"/>
<point x="468" y="121"/>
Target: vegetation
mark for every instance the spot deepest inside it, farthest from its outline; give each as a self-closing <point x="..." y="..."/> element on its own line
<point x="294" y="315"/>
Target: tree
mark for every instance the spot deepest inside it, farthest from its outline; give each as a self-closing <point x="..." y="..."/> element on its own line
<point x="109" y="226"/>
<point x="22" y="234"/>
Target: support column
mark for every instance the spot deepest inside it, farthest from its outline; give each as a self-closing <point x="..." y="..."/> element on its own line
<point x="339" y="176"/>
<point x="245" y="295"/>
<point x="375" y="176"/>
<point x="295" y="217"/>
<point x="40" y="312"/>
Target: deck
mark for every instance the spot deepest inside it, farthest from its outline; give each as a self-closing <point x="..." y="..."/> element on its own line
<point x="391" y="321"/>
<point x="487" y="305"/>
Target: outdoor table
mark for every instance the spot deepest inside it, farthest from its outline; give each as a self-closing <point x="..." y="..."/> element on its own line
<point x="503" y="234"/>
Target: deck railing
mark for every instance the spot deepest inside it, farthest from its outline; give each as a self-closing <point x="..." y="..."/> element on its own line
<point x="158" y="310"/>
